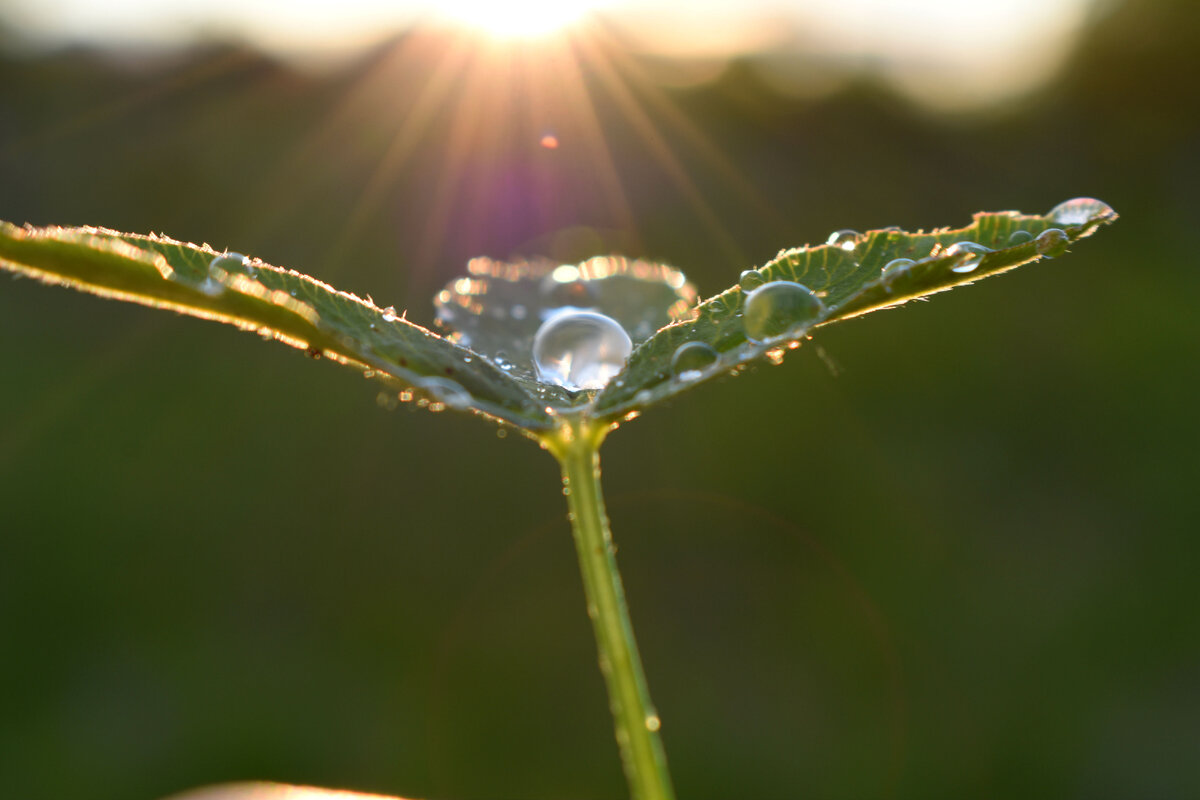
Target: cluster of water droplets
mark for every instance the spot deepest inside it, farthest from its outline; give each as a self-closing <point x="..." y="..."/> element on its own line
<point x="562" y="326"/>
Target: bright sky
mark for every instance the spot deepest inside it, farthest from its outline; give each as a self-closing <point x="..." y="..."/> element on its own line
<point x="959" y="50"/>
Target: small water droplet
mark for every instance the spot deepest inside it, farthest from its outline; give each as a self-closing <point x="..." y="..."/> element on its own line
<point x="446" y="392"/>
<point x="778" y="307"/>
<point x="750" y="280"/>
<point x="580" y="350"/>
<point x="845" y="239"/>
<point x="976" y="251"/>
<point x="894" y="268"/>
<point x="775" y="355"/>
<point x="1019" y="237"/>
<point x="1081" y="210"/>
<point x="653" y="723"/>
<point x="389" y="314"/>
<point x="691" y="359"/>
<point x="1052" y="242"/>
<point x="228" y="263"/>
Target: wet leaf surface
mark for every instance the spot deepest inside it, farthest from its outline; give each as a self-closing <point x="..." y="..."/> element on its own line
<point x="485" y="363"/>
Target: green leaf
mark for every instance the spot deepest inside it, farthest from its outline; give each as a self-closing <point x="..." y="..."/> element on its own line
<point x="497" y="309"/>
<point x="847" y="275"/>
<point x="277" y="303"/>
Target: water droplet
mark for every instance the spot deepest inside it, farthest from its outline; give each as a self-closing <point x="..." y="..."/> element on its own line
<point x="691" y="359"/>
<point x="750" y="280"/>
<point x="778" y="307"/>
<point x="1052" y="242"/>
<point x="653" y="723"/>
<point x="580" y="350"/>
<point x="1081" y="210"/>
<point x="895" y="268"/>
<point x="845" y="239"/>
<point x="389" y="314"/>
<point x="1019" y="237"/>
<point x="229" y="264"/>
<point x="775" y="355"/>
<point x="447" y="392"/>
<point x="976" y="250"/>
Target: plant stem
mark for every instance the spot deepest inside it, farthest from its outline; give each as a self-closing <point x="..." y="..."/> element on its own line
<point x="576" y="446"/>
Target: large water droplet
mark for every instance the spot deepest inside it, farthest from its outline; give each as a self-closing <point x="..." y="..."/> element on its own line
<point x="845" y="239"/>
<point x="580" y="350"/>
<point x="691" y="359"/>
<point x="1052" y="242"/>
<point x="1081" y="210"/>
<point x="778" y="307"/>
<point x="977" y="252"/>
<point x="750" y="280"/>
<point x="1019" y="237"/>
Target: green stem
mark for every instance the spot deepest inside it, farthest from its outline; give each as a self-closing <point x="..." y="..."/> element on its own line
<point x="576" y="445"/>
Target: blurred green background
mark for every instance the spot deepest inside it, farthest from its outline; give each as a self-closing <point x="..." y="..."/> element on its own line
<point x="961" y="564"/>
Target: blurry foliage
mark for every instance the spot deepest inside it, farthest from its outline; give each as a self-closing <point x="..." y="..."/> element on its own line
<point x="962" y="567"/>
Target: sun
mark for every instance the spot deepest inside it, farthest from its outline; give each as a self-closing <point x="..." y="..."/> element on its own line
<point x="517" y="19"/>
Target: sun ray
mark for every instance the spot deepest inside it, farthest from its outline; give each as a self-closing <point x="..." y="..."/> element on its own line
<point x="417" y="122"/>
<point x="644" y="126"/>
<point x="586" y="125"/>
<point x="687" y="130"/>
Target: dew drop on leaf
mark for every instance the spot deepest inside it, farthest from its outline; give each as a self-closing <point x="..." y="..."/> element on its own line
<point x="976" y="250"/>
<point x="1081" y="210"/>
<point x="778" y="307"/>
<point x="389" y="314"/>
<point x="894" y="268"/>
<point x="580" y="350"/>
<point x="229" y="264"/>
<point x="845" y="239"/>
<point x="447" y="392"/>
<point x="691" y="359"/>
<point x="1019" y="237"/>
<point x="1052" y="242"/>
<point x="750" y="280"/>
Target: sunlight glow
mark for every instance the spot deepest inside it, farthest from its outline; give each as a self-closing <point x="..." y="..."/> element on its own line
<point x="516" y="19"/>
